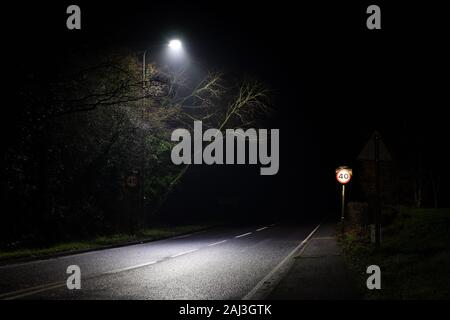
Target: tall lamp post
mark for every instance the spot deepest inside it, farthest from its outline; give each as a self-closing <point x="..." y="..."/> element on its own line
<point x="175" y="47"/>
<point x="142" y="182"/>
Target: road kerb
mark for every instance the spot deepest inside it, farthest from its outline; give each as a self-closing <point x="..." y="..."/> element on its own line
<point x="265" y="286"/>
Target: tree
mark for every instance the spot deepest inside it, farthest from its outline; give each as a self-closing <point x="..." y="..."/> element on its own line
<point x="84" y="131"/>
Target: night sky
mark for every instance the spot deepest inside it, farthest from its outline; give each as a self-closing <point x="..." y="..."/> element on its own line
<point x="334" y="82"/>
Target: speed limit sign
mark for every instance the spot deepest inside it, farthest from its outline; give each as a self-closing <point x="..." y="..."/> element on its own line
<point x="343" y="175"/>
<point x="132" y="181"/>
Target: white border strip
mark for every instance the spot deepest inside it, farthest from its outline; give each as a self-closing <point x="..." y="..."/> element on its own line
<point x="250" y="295"/>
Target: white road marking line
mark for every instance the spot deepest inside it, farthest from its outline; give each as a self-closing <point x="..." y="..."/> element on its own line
<point x="243" y="235"/>
<point x="261" y="229"/>
<point x="249" y="295"/>
<point x="182" y="253"/>
<point x="310" y="235"/>
<point x="131" y="268"/>
<point x="216" y="243"/>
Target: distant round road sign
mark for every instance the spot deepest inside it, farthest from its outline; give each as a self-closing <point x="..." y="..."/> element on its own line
<point x="132" y="181"/>
<point x="343" y="176"/>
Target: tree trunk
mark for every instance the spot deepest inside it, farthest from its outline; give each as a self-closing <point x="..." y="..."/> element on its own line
<point x="435" y="183"/>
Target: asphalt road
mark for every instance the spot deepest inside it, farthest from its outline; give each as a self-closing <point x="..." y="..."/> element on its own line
<point x="222" y="263"/>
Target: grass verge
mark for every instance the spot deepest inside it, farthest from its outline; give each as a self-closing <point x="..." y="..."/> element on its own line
<point x="150" y="234"/>
<point x="414" y="256"/>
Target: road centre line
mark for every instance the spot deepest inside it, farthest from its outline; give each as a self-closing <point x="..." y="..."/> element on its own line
<point x="183" y="253"/>
<point x="132" y="267"/>
<point x="243" y="235"/>
<point x="216" y="243"/>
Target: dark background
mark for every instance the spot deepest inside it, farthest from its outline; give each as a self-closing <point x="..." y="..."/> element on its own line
<point x="334" y="83"/>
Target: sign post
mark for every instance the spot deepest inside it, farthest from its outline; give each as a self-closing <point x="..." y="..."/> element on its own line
<point x="343" y="176"/>
<point x="343" y="202"/>
<point x="131" y="185"/>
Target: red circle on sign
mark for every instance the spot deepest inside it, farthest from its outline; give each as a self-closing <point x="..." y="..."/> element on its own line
<point x="343" y="176"/>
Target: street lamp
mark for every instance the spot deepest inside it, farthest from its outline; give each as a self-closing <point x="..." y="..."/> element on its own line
<point x="175" y="45"/>
<point x="175" y="52"/>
